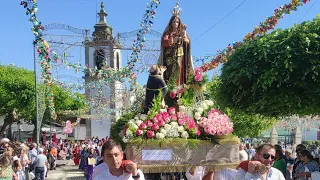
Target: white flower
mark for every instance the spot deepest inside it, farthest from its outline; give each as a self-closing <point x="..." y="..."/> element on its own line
<point x="138" y="122"/>
<point x="179" y="102"/>
<point x="200" y="110"/>
<point x="185" y="134"/>
<point x="180" y="129"/>
<point x="125" y="139"/>
<point x="209" y="102"/>
<point x="136" y="117"/>
<point x="159" y="135"/>
<point x="143" y="117"/>
<point x="129" y="133"/>
<point x="182" y="108"/>
<point x="167" y="127"/>
<point x="197" y="115"/>
<point x="204" y="105"/>
<point x="163" y="131"/>
<point x="174" y="124"/>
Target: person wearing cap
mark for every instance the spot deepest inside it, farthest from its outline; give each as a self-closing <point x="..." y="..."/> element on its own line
<point x="40" y="163"/>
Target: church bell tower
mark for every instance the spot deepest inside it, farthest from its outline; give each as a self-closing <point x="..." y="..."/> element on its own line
<point x="102" y="53"/>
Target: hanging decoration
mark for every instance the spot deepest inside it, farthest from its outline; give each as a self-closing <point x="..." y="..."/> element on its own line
<point x="68" y="128"/>
<point x="264" y="27"/>
<point x="42" y="47"/>
<point x="110" y="75"/>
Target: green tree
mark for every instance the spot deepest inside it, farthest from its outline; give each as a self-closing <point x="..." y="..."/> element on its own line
<point x="17" y="98"/>
<point x="275" y="75"/>
<point x="17" y="95"/>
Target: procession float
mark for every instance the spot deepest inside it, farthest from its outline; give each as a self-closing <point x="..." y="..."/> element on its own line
<point x="176" y="126"/>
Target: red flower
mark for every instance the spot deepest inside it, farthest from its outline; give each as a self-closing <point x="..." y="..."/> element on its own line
<point x="173" y="95"/>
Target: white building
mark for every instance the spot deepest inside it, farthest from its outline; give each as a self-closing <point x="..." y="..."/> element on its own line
<point x="102" y="52"/>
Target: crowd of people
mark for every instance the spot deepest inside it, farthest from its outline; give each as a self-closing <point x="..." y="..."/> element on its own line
<point x="102" y="159"/>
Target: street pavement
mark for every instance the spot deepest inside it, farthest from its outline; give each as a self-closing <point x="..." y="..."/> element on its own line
<point x="66" y="170"/>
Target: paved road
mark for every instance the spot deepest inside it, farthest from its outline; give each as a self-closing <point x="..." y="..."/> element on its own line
<point x="66" y="170"/>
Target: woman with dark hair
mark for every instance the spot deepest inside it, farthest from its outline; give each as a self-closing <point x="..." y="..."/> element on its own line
<point x="310" y="165"/>
<point x="91" y="161"/>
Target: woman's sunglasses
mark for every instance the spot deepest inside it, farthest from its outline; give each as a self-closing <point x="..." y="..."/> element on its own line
<point x="267" y="156"/>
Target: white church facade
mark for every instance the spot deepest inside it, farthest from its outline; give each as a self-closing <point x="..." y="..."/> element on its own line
<point x="103" y="52"/>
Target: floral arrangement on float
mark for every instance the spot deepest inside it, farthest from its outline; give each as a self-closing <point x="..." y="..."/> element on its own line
<point x="205" y="122"/>
<point x="191" y="119"/>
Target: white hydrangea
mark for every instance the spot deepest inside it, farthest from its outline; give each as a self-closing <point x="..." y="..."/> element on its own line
<point x="174" y="124"/>
<point x="167" y="126"/>
<point x="185" y="134"/>
<point x="180" y="129"/>
<point x="173" y="132"/>
<point x="200" y="110"/>
<point x="159" y="135"/>
<point x="179" y="102"/>
<point x="163" y="131"/>
<point x="197" y="116"/>
<point x="209" y="103"/>
<point x="138" y="122"/>
<point x="204" y="105"/>
<point x="136" y="117"/>
<point x="143" y="117"/>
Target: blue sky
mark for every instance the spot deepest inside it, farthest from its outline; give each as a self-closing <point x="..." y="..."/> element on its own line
<point x="125" y="15"/>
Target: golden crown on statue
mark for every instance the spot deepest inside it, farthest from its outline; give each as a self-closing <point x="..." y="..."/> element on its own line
<point x="176" y="11"/>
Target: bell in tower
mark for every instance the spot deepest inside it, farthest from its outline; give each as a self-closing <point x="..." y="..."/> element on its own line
<point x="103" y="54"/>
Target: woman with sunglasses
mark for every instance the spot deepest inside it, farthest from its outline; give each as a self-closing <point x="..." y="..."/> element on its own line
<point x="309" y="164"/>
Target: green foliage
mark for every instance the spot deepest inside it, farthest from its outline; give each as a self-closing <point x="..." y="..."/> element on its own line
<point x="118" y="126"/>
<point x="156" y="105"/>
<point x="188" y="97"/>
<point x="17" y="92"/>
<point x="308" y="143"/>
<point x="65" y="104"/>
<point x="275" y="75"/>
<point x="245" y="124"/>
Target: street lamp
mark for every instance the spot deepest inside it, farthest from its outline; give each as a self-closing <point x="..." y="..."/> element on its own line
<point x="78" y="126"/>
<point x="19" y="129"/>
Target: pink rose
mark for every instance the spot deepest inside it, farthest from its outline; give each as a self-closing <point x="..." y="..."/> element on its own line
<point x="173" y="95"/>
<point x="173" y="117"/>
<point x="198" y="133"/>
<point x="159" y="117"/>
<point x="207" y="129"/>
<point x="166" y="120"/>
<point x="150" y="134"/>
<point x="155" y="127"/>
<point x="180" y="115"/>
<point x="181" y="122"/>
<point x="212" y="131"/>
<point x="149" y="123"/>
<point x="191" y="124"/>
<point x="219" y="132"/>
<point x="155" y="120"/>
<point x="198" y="78"/>
<point x="142" y="126"/>
<point x="165" y="114"/>
<point x="171" y="110"/>
<point x="161" y="123"/>
<point x="139" y="132"/>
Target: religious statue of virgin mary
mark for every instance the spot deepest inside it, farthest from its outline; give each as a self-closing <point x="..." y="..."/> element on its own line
<point x="175" y="51"/>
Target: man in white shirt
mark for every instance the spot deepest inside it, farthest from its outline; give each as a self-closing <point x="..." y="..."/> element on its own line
<point x="112" y="168"/>
<point x="261" y="168"/>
